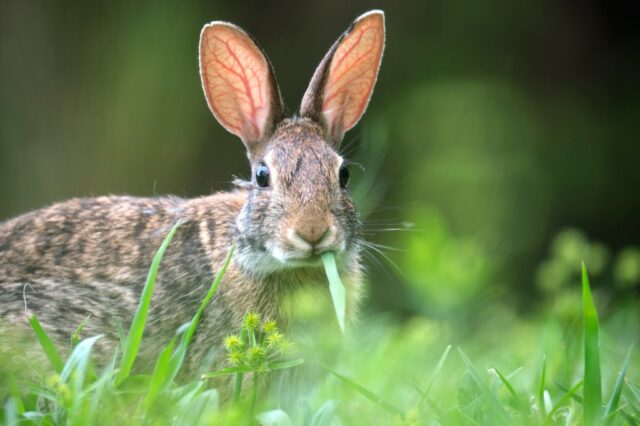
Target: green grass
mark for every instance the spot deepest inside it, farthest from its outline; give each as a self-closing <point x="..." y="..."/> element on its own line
<point x="592" y="378"/>
<point x="134" y="338"/>
<point x="336" y="288"/>
<point x="508" y="371"/>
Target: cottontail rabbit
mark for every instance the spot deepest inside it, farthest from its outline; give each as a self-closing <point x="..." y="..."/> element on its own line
<point x="90" y="257"/>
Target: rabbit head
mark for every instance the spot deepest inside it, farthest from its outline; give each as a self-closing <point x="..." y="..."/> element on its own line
<point x="298" y="205"/>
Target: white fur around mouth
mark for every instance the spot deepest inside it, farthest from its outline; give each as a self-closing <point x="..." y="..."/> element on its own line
<point x="276" y="258"/>
<point x="313" y="260"/>
<point x="294" y="258"/>
<point x="307" y="256"/>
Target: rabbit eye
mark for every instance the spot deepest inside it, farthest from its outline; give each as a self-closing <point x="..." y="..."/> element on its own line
<point x="344" y="177"/>
<point x="262" y="175"/>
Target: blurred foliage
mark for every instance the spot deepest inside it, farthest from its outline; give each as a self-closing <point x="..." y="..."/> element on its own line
<point x="558" y="274"/>
<point x="627" y="268"/>
<point x="445" y="272"/>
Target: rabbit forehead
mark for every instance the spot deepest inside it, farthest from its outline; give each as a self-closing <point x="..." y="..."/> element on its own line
<point x="300" y="156"/>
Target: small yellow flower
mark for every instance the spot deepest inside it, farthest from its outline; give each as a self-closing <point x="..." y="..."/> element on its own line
<point x="285" y="345"/>
<point x="236" y="357"/>
<point x="411" y="418"/>
<point x="252" y="321"/>
<point x="257" y="354"/>
<point x="262" y="368"/>
<point x="53" y="381"/>
<point x="274" y="339"/>
<point x="270" y="327"/>
<point x="65" y="393"/>
<point x="233" y="342"/>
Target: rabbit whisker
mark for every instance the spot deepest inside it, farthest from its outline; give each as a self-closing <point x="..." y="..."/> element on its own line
<point x="381" y="246"/>
<point x="380" y="265"/>
<point x="370" y="246"/>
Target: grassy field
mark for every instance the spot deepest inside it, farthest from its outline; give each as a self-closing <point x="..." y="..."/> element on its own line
<point x="506" y="370"/>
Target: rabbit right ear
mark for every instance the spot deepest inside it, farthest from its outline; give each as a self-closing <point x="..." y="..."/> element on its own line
<point x="239" y="84"/>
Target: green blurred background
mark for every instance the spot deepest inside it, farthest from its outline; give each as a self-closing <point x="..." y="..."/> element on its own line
<point x="501" y="139"/>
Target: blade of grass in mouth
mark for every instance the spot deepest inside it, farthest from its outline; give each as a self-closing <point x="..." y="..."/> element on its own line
<point x="336" y="288"/>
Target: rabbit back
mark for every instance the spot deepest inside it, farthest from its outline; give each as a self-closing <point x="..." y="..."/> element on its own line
<point x="89" y="258"/>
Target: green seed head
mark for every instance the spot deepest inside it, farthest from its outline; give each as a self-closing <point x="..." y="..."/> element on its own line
<point x="236" y="357"/>
<point x="257" y="354"/>
<point x="233" y="342"/>
<point x="285" y="345"/>
<point x="411" y="418"/>
<point x="252" y="321"/>
<point x="274" y="339"/>
<point x="262" y="368"/>
<point x="65" y="393"/>
<point x="53" y="381"/>
<point x="270" y="327"/>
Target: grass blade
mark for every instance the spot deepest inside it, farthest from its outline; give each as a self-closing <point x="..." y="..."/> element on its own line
<point x="635" y="391"/>
<point x="237" y="380"/>
<point x="541" y="384"/>
<point x="612" y="406"/>
<point x="177" y="359"/>
<point x="500" y="414"/>
<point x="592" y="379"/>
<point x="628" y="417"/>
<point x="325" y="415"/>
<point x="10" y="413"/>
<point x="441" y="416"/>
<point x="436" y="371"/>
<point x="78" y="361"/>
<point x="75" y="337"/>
<point x="227" y="371"/>
<point x="47" y="345"/>
<point x="73" y="374"/>
<point x="275" y="417"/>
<point x="375" y="399"/>
<point x="285" y="364"/>
<point x="568" y="393"/>
<point x="132" y="344"/>
<point x="520" y="403"/>
<point x="15" y="394"/>
<point x="335" y="287"/>
<point x="198" y="410"/>
<point x="159" y="376"/>
<point x="458" y="417"/>
<point x="247" y="368"/>
<point x="514" y="373"/>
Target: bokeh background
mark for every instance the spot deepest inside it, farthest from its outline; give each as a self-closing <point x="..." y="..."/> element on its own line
<point x="499" y="150"/>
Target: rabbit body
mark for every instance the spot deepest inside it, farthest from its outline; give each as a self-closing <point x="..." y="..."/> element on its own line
<point x="86" y="260"/>
<point x="89" y="258"/>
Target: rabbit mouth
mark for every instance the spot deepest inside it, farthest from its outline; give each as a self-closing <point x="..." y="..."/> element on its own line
<point x="297" y="258"/>
<point x="310" y="260"/>
<point x="295" y="250"/>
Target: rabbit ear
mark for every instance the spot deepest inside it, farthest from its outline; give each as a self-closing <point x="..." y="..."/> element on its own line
<point x="341" y="87"/>
<point x="239" y="83"/>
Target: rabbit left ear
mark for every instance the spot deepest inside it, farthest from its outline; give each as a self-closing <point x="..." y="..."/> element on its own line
<point x="342" y="84"/>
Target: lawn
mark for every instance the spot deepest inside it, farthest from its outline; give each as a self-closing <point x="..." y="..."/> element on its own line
<point x="535" y="369"/>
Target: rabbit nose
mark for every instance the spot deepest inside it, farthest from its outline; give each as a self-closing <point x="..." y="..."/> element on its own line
<point x="313" y="234"/>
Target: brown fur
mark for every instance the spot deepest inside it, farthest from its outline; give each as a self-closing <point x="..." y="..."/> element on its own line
<point x="89" y="258"/>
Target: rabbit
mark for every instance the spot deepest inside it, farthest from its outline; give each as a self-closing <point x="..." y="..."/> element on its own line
<point x="87" y="259"/>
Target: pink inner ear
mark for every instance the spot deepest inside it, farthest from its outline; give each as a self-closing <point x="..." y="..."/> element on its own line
<point x="235" y="77"/>
<point x="353" y="73"/>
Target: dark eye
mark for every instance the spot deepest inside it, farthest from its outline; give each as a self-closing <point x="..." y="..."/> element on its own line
<point x="262" y="175"/>
<point x="344" y="177"/>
